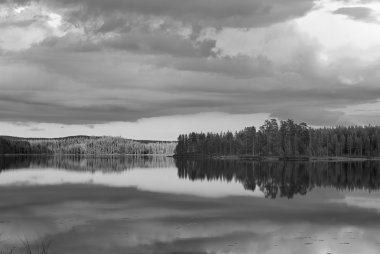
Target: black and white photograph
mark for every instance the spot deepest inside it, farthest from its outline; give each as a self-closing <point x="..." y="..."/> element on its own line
<point x="189" y="126"/>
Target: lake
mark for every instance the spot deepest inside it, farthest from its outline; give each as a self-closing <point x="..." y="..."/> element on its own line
<point x="159" y="205"/>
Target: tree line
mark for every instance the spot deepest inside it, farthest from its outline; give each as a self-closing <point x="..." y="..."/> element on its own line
<point x="284" y="179"/>
<point x="84" y="145"/>
<point x="286" y="139"/>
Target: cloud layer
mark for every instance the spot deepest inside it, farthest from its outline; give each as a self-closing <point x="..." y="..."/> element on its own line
<point x="89" y="62"/>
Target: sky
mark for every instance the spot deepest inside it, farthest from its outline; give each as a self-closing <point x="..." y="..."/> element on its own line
<point x="152" y="69"/>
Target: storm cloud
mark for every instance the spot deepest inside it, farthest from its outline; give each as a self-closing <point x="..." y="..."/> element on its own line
<point x="239" y="13"/>
<point x="89" y="62"/>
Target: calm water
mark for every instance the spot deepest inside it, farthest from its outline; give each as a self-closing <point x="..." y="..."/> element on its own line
<point x="158" y="205"/>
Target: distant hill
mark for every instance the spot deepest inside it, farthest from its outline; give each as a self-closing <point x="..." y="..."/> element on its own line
<point x="84" y="137"/>
<point x="81" y="144"/>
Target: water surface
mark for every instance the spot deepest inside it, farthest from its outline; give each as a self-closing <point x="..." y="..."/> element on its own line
<point x="158" y="205"/>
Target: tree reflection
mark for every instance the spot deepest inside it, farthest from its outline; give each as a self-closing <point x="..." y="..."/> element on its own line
<point x="274" y="179"/>
<point x="81" y="163"/>
<point x="285" y="179"/>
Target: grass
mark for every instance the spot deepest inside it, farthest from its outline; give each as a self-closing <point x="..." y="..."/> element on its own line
<point x="43" y="248"/>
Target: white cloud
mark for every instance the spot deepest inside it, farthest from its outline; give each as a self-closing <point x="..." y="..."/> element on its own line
<point x="336" y="31"/>
<point x="23" y="26"/>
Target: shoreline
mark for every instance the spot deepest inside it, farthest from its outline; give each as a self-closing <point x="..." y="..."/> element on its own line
<point x="277" y="158"/>
<point x="216" y="157"/>
<point x="87" y="155"/>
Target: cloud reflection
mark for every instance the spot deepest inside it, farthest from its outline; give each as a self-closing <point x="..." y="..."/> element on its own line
<point x="127" y="220"/>
<point x="129" y="212"/>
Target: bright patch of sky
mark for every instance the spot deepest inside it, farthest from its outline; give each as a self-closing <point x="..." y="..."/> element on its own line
<point x="25" y="26"/>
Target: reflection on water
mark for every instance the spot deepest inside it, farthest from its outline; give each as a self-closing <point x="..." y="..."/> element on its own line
<point x="285" y="179"/>
<point x="150" y="173"/>
<point x="81" y="163"/>
<point x="153" y="205"/>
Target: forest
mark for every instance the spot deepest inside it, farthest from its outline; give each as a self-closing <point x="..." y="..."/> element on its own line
<point x="90" y="145"/>
<point x="284" y="139"/>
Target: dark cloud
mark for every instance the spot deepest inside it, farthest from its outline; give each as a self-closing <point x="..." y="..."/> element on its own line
<point x="160" y="43"/>
<point x="121" y="83"/>
<point x="239" y="67"/>
<point x="69" y="43"/>
<point x="239" y="13"/>
<point x="204" y="94"/>
<point x="358" y="13"/>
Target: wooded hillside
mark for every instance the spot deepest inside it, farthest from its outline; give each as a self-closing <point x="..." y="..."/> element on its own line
<point x="83" y="145"/>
